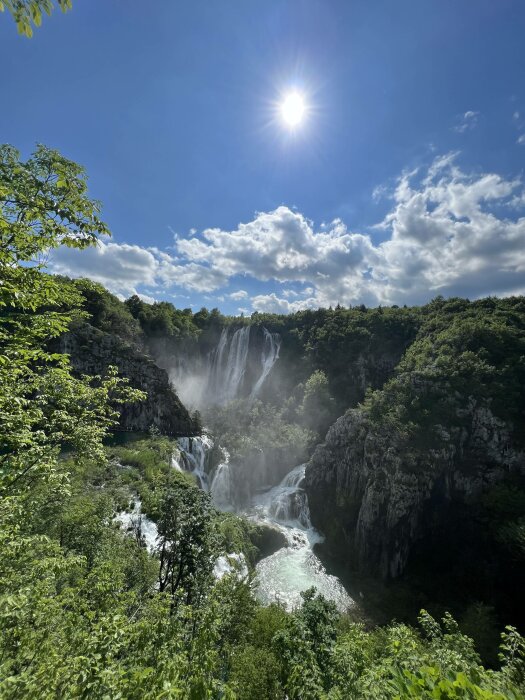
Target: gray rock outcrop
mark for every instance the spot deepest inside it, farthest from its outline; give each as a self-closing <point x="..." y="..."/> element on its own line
<point x="92" y="351"/>
<point x="374" y="496"/>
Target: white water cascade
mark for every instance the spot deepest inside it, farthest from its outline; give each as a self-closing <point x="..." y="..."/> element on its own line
<point x="192" y="457"/>
<point x="221" y="485"/>
<point x="293" y="568"/>
<point x="282" y="576"/>
<point x="287" y="502"/>
<point x="270" y="355"/>
<point x="229" y="361"/>
<point x="228" y="366"/>
<point x="137" y="524"/>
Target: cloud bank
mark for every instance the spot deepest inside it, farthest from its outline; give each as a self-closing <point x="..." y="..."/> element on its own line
<point x="447" y="232"/>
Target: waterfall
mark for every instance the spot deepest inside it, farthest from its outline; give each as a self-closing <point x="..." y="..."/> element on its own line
<point x="216" y="368"/>
<point x="270" y="354"/>
<point x="229" y="361"/>
<point x="137" y="524"/>
<point x="221" y="485"/>
<point x="193" y="457"/>
<point x="283" y="575"/>
<point x="228" y="365"/>
<point x="287" y="503"/>
<point x="236" y="364"/>
<point x="295" y="567"/>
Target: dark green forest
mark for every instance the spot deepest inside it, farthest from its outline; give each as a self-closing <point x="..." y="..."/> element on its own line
<point x="87" y="612"/>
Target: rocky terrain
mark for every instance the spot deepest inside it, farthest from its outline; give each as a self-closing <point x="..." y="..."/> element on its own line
<point x="374" y="498"/>
<point x="92" y="351"/>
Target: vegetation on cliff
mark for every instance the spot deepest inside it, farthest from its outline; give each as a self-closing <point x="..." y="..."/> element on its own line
<point x="86" y="611"/>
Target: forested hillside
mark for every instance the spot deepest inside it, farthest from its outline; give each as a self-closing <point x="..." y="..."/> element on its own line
<point x="87" y="610"/>
<point x="322" y="503"/>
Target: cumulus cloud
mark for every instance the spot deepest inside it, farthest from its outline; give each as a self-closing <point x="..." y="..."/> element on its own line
<point x="122" y="268"/>
<point x="241" y="294"/>
<point x="447" y="232"/>
<point x="271" y="303"/>
<point x="280" y="245"/>
<point x="521" y="140"/>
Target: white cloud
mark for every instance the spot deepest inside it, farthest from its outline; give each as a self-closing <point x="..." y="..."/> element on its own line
<point x="448" y="232"/>
<point x="241" y="294"/>
<point x="147" y="299"/>
<point x="122" y="268"/>
<point x="280" y="245"/>
<point x="467" y="121"/>
<point x="271" y="303"/>
<point x="521" y="140"/>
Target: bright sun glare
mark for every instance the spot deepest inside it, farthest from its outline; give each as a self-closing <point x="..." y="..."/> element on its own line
<point x="293" y="109"/>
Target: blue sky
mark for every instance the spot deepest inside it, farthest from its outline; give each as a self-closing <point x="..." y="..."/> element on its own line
<point x="405" y="180"/>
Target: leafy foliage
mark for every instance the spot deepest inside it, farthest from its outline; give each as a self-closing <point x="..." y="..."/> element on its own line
<point x="29" y="12"/>
<point x="85" y="610"/>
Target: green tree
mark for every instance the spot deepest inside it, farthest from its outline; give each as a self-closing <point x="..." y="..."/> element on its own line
<point x="187" y="543"/>
<point x="29" y="12"/>
<point x="43" y="204"/>
<point x="316" y="410"/>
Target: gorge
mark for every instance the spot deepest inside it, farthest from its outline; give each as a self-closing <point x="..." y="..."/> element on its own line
<point x="433" y="451"/>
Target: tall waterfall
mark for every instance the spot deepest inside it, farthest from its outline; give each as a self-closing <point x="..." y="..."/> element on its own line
<point x="270" y="354"/>
<point x="236" y="364"/>
<point x="229" y="364"/>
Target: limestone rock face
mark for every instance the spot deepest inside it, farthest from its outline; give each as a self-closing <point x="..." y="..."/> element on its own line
<point x="92" y="351"/>
<point x="374" y="499"/>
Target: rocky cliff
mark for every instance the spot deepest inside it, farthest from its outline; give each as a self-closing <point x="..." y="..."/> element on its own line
<point x="92" y="351"/>
<point x="376" y="495"/>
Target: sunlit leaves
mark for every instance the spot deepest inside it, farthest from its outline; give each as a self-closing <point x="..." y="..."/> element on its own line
<point x="28" y="13"/>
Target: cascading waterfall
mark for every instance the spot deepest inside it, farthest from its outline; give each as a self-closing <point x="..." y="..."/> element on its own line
<point x="228" y="365"/>
<point x="216" y="368"/>
<point x="270" y="355"/>
<point x="192" y="457"/>
<point x="282" y="576"/>
<point x="236" y="365"/>
<point x="136" y="523"/>
<point x="229" y="362"/>
<point x="221" y="485"/>
<point x="288" y="502"/>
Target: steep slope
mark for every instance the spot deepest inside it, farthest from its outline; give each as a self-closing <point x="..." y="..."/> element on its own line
<point x="430" y="471"/>
<point x="375" y="498"/>
<point x="92" y="351"/>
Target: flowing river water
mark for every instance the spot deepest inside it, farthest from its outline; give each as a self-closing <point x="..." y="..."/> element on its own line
<point x="223" y="377"/>
<point x="281" y="576"/>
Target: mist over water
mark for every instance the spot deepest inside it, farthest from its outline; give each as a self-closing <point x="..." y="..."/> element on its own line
<point x="221" y="378"/>
<point x="282" y="576"/>
<point x="222" y="375"/>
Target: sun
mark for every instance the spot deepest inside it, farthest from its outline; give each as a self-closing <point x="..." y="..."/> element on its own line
<point x="293" y="109"/>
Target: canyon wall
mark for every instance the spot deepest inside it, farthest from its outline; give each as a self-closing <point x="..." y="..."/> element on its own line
<point x="92" y="351"/>
<point x="375" y="496"/>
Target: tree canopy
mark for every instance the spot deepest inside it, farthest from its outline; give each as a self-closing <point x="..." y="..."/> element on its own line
<point x="28" y="13"/>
